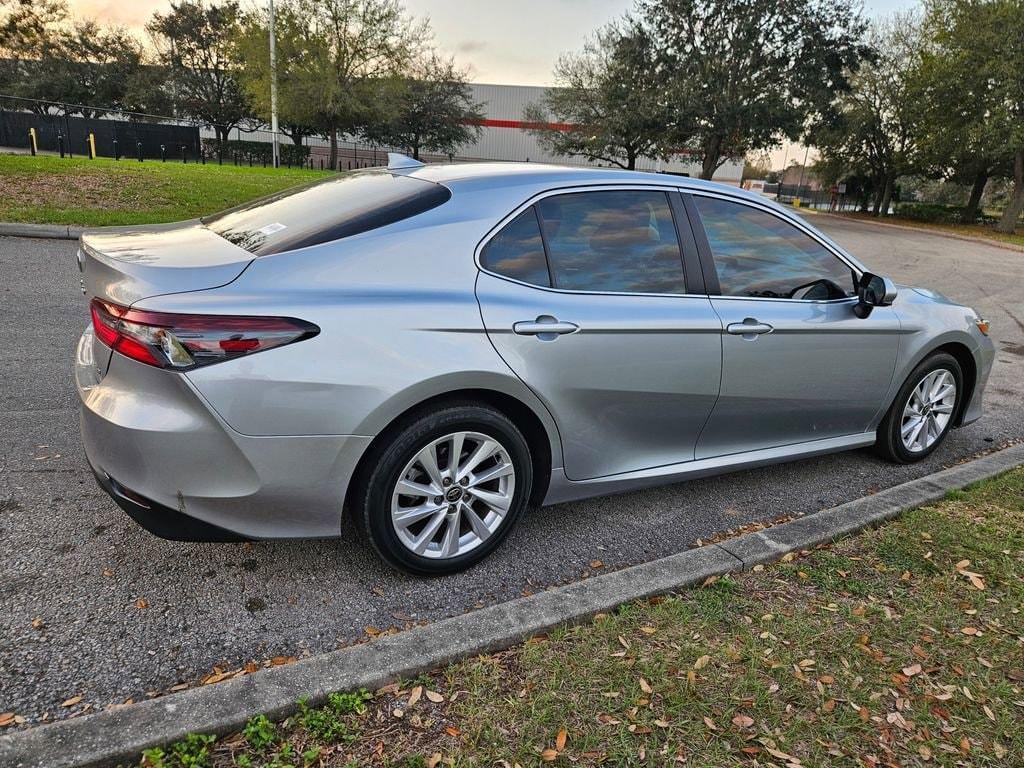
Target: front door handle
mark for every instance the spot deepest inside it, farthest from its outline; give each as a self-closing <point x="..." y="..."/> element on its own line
<point x="545" y="327"/>
<point x="750" y="328"/>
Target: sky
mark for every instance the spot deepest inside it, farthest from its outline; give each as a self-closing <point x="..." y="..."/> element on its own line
<point x="498" y="41"/>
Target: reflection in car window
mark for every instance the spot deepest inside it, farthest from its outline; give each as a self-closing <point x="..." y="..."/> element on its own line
<point x="518" y="252"/>
<point x="336" y="207"/>
<point x="616" y="241"/>
<point x="760" y="255"/>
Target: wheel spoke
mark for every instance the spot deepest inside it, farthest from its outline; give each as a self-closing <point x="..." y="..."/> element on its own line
<point x="478" y="526"/>
<point x="406" y="516"/>
<point x="916" y="433"/>
<point x="499" y="502"/>
<point x="943" y="393"/>
<point x="450" y="542"/>
<point x="498" y="470"/>
<point x="428" y="460"/>
<point x="909" y="426"/>
<point x="484" y="450"/>
<point x="455" y="454"/>
<point x="410" y="488"/>
<point x="419" y="545"/>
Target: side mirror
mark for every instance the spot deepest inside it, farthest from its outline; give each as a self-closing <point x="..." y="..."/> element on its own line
<point x="873" y="291"/>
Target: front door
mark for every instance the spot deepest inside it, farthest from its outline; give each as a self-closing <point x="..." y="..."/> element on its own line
<point x="584" y="296"/>
<point x="797" y="364"/>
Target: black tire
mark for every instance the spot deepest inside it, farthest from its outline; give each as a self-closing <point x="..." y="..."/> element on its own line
<point x="890" y="443"/>
<point x="374" y="494"/>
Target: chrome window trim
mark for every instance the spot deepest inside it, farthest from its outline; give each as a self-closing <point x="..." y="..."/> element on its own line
<point x="857" y="269"/>
<point x="492" y="233"/>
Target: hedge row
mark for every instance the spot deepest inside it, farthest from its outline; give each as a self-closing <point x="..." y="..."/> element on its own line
<point x="256" y="152"/>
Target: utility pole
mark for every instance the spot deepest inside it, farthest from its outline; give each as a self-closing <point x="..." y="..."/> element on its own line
<point x="273" y="88"/>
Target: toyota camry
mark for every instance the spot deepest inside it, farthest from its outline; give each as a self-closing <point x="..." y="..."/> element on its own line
<point x="431" y="349"/>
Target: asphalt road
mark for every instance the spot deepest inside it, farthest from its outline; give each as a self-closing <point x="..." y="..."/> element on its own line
<point x="74" y="563"/>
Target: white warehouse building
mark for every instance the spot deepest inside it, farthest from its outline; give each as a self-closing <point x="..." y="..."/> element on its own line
<point x="504" y="136"/>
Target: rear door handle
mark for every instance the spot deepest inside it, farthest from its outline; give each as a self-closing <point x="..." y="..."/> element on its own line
<point x="749" y="327"/>
<point x="545" y="327"/>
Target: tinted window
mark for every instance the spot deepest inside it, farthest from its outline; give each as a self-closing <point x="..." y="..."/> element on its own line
<point x="621" y="241"/>
<point x="758" y="254"/>
<point x="517" y="251"/>
<point x="326" y="210"/>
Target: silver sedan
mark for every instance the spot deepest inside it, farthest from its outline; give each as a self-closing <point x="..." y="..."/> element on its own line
<point x="431" y="349"/>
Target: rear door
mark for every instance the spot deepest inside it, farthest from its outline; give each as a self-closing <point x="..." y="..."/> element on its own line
<point x="584" y="294"/>
<point x="797" y="364"/>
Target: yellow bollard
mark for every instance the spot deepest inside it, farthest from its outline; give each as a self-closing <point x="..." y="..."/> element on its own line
<point x="92" y="146"/>
<point x="796" y="202"/>
<point x="32" y="140"/>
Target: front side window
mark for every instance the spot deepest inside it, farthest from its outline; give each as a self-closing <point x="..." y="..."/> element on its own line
<point x="759" y="255"/>
<point x="621" y="241"/>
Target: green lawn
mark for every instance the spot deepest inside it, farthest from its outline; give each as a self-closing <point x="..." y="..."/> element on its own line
<point x="903" y="646"/>
<point x="51" y="190"/>
<point x="983" y="231"/>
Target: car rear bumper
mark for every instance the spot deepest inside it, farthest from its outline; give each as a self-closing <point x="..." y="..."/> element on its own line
<point x="169" y="460"/>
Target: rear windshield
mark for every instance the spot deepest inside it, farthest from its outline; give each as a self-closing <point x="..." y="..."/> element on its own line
<point x="325" y="210"/>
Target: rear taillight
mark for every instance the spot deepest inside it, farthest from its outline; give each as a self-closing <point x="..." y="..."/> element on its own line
<point x="181" y="342"/>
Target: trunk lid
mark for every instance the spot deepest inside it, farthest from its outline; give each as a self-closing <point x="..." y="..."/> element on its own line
<point x="127" y="264"/>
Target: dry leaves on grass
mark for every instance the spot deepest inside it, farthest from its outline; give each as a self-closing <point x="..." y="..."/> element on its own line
<point x="976" y="579"/>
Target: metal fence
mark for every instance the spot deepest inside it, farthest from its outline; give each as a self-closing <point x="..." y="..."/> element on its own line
<point x="64" y="129"/>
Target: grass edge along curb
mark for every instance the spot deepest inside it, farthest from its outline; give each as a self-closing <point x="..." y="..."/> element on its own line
<point x="120" y="735"/>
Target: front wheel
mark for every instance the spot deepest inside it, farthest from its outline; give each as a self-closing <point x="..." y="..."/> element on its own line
<point x="447" y="489"/>
<point x="923" y="412"/>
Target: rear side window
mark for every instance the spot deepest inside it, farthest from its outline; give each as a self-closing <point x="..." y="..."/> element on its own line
<point x="608" y="241"/>
<point x="337" y="207"/>
<point x="615" y="241"/>
<point x="517" y="251"/>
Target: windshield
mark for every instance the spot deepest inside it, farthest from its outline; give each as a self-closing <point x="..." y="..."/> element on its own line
<point x="329" y="209"/>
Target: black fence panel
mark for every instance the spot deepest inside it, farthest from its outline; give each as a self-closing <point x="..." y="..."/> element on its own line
<point x="157" y="139"/>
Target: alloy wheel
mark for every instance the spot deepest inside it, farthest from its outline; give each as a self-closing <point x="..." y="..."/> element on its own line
<point x="453" y="495"/>
<point x="928" y="410"/>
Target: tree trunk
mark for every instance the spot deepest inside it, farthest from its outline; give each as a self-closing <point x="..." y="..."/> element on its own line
<point x="630" y="159"/>
<point x="974" y="201"/>
<point x="415" y="151"/>
<point x="333" y="156"/>
<point x="712" y="154"/>
<point x="222" y="133"/>
<point x="890" y="181"/>
<point x="1008" y="224"/>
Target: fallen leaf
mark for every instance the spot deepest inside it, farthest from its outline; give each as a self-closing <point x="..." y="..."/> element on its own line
<point x="37" y="623"/>
<point x="141" y="603"/>
<point x="645" y="686"/>
<point x="452" y="731"/>
<point x="913" y="669"/>
<point x="549" y="755"/>
<point x="701" y="662"/>
<point x="72" y="701"/>
<point x="6" y="718"/>
<point x="434" y="696"/>
<point x="414" y="696"/>
<point x="560" y="740"/>
<point x="595" y="564"/>
<point x="433" y="760"/>
<point x="970" y="630"/>
<point x="743" y="721"/>
<point x="648" y="630"/>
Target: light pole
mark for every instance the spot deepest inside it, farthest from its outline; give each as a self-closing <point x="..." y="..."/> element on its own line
<point x="273" y="88"/>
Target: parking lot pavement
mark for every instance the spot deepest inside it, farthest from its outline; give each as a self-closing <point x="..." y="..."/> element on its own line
<point x="94" y="606"/>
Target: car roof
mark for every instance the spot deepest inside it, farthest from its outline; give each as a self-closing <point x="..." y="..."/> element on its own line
<point x="501" y="174"/>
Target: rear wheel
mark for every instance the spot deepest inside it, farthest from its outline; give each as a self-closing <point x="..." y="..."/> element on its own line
<point x="923" y="412"/>
<point x="446" y="490"/>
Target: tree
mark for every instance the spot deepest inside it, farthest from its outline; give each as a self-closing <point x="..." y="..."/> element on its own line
<point x="759" y="167"/>
<point x="748" y="73"/>
<point x="433" y="110"/>
<point x="354" y="50"/>
<point x="194" y="42"/>
<point x="608" y="103"/>
<point x="296" y="111"/>
<point x="975" y="63"/>
<point x="874" y="128"/>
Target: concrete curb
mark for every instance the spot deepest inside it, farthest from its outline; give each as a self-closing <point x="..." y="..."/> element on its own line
<point x="116" y="735"/>
<point x="927" y="231"/>
<point x="46" y="231"/>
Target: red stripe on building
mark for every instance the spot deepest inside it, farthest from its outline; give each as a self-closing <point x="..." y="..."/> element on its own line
<point x="522" y="124"/>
